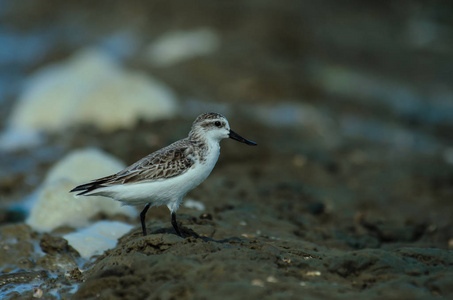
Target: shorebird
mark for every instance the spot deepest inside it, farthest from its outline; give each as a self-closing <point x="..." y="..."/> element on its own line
<point x="164" y="177"/>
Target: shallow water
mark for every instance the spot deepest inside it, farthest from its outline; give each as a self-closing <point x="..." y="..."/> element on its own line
<point x="348" y="194"/>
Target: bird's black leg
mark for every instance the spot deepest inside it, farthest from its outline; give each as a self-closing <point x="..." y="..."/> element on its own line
<point x="142" y="218"/>
<point x="175" y="224"/>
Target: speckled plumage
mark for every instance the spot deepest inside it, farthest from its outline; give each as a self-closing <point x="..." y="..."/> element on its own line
<point x="165" y="176"/>
<point x="167" y="162"/>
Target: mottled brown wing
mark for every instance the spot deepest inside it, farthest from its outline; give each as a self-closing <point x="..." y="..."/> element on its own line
<point x="168" y="162"/>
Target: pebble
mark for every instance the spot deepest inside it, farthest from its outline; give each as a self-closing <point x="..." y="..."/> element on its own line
<point x="37" y="293"/>
<point x="258" y="282"/>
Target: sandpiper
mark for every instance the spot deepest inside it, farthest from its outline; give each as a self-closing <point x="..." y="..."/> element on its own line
<point x="167" y="175"/>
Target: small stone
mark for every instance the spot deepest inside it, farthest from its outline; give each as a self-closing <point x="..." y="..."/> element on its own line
<point x="271" y="279"/>
<point x="206" y="216"/>
<point x="257" y="282"/>
<point x="190" y="203"/>
<point x="248" y="236"/>
<point x="52" y="244"/>
<point x="313" y="273"/>
<point x="37" y="293"/>
<point x="287" y="260"/>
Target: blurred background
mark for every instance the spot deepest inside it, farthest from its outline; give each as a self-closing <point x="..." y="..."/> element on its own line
<point x="350" y="86"/>
<point x="351" y="103"/>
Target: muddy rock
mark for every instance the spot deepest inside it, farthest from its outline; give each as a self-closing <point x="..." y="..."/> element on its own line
<point x="18" y="246"/>
<point x="347" y="195"/>
<point x="22" y="277"/>
<point x="53" y="244"/>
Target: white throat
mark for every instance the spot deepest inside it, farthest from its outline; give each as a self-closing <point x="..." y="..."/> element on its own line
<point x="213" y="151"/>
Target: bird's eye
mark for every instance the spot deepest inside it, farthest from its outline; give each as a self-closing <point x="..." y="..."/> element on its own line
<point x="217" y="123"/>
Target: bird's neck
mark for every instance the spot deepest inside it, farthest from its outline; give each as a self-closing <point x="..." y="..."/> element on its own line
<point x="203" y="146"/>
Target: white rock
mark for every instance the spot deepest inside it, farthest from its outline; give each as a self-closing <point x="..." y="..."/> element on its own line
<point x="123" y="100"/>
<point x="52" y="95"/>
<point x="83" y="165"/>
<point x="177" y="46"/>
<point x="88" y="88"/>
<point x="97" y="238"/>
<point x="55" y="206"/>
<point x="190" y="203"/>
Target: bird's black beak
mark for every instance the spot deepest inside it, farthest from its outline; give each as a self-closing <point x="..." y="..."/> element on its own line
<point x="233" y="135"/>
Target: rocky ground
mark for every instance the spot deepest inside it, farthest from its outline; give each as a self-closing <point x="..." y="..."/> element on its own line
<point x="347" y="196"/>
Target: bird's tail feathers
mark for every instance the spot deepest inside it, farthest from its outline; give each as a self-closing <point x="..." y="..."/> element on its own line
<point x="86" y="189"/>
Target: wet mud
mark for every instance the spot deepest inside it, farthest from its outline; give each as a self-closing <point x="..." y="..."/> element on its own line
<point x="333" y="206"/>
<point x="272" y="229"/>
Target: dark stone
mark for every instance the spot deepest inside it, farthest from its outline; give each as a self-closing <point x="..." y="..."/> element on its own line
<point x="55" y="244"/>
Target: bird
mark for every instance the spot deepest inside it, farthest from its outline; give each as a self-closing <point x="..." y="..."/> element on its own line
<point x="165" y="176"/>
